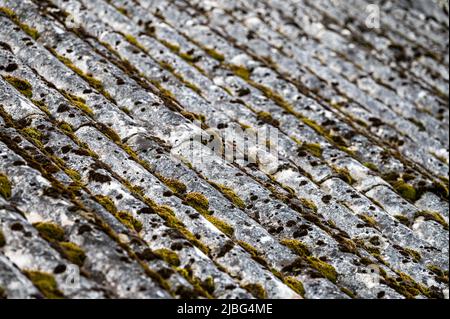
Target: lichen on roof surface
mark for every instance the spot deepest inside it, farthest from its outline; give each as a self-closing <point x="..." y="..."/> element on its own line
<point x="224" y="149"/>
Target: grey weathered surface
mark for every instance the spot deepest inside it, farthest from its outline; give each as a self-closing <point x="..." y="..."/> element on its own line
<point x="110" y="189"/>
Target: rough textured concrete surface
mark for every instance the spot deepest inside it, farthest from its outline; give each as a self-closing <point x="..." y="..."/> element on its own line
<point x="293" y="149"/>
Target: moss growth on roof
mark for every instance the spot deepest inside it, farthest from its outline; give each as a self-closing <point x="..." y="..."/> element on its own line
<point x="255" y="253"/>
<point x="107" y="203"/>
<point x="370" y="221"/>
<point x="73" y="174"/>
<point x="193" y="116"/>
<point x="166" y="213"/>
<point x="371" y="166"/>
<point x="5" y="187"/>
<point x="257" y="290"/>
<point x="89" y="78"/>
<point x="23" y="86"/>
<point x="231" y="195"/>
<point x="129" y="221"/>
<point x="78" y="102"/>
<point x="26" y="28"/>
<point x="440" y="275"/>
<point x="266" y="117"/>
<point x="65" y="127"/>
<point x="295" y="285"/>
<point x="348" y="292"/>
<point x="73" y="253"/>
<point x="50" y="231"/>
<point x="46" y="284"/>
<point x="204" y="288"/>
<point x="174" y="185"/>
<point x="249" y="248"/>
<point x="403" y="219"/>
<point x="308" y="204"/>
<point x="327" y="270"/>
<point x="191" y="85"/>
<point x="197" y="201"/>
<point x="224" y="227"/>
<point x="208" y="285"/>
<point x="168" y="256"/>
<point x="126" y="218"/>
<point x="213" y="53"/>
<point x="171" y="46"/>
<point x="297" y="246"/>
<point x="314" y="149"/>
<point x="406" y="190"/>
<point x="122" y="10"/>
<point x="189" y="57"/>
<point x="435" y="216"/>
<point x="275" y="97"/>
<point x="440" y="189"/>
<point x="132" y="40"/>
<point x="406" y="286"/>
<point x="314" y="125"/>
<point x="241" y="71"/>
<point x="344" y="174"/>
<point x="415" y="255"/>
<point x="2" y="239"/>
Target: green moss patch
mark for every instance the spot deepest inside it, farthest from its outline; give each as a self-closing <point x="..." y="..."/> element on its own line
<point x="440" y="189"/>
<point x="107" y="203"/>
<point x="168" y="256"/>
<point x="175" y="185"/>
<point x="241" y="71"/>
<point x="197" y="201"/>
<point x="255" y="253"/>
<point x="415" y="255"/>
<point x="435" y="216"/>
<point x="406" y="190"/>
<point x="46" y="284"/>
<point x="26" y="28"/>
<point x="224" y="227"/>
<point x="231" y="195"/>
<point x="2" y="239"/>
<point x="5" y="187"/>
<point x="348" y="292"/>
<point x="403" y="219"/>
<point x="370" y="221"/>
<point x="266" y="117"/>
<point x="89" y="78"/>
<point x="50" y="232"/>
<point x="344" y="174"/>
<point x="129" y="221"/>
<point x="440" y="275"/>
<point x="21" y="85"/>
<point x="406" y="286"/>
<point x="214" y="54"/>
<point x="257" y="290"/>
<point x="193" y="116"/>
<point x="312" y="148"/>
<point x="372" y="166"/>
<point x="73" y="253"/>
<point x="79" y="103"/>
<point x="126" y="218"/>
<point x="295" y="285"/>
<point x="327" y="270"/>
<point x="308" y="204"/>
<point x="297" y="246"/>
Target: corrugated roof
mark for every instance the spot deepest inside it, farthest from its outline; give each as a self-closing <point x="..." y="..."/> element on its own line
<point x="224" y="149"/>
